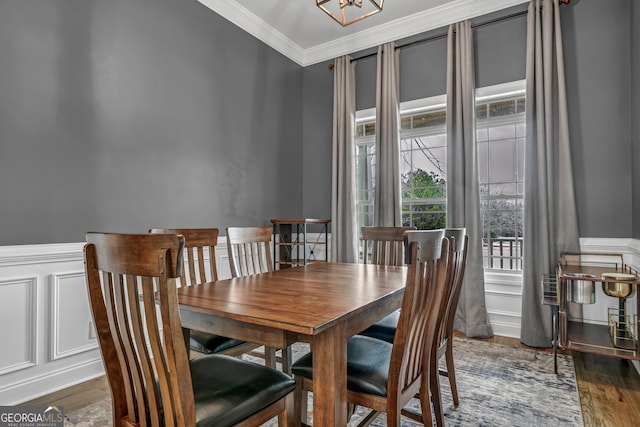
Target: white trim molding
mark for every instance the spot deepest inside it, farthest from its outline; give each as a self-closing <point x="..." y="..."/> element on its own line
<point x="436" y="17"/>
<point x="40" y="254"/>
<point x="50" y="381"/>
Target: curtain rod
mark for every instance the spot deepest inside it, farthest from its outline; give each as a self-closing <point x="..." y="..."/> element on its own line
<point x="444" y="34"/>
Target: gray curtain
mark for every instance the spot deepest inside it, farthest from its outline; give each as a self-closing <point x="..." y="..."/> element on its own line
<point x="463" y="193"/>
<point x="344" y="236"/>
<point x="388" y="199"/>
<point x="550" y="220"/>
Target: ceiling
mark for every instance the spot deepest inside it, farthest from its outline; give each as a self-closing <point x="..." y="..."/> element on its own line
<point x="305" y="34"/>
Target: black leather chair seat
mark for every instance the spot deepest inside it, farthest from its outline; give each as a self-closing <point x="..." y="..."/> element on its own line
<point x="227" y="390"/>
<point x="367" y="365"/>
<point x="206" y="343"/>
<point x="385" y="328"/>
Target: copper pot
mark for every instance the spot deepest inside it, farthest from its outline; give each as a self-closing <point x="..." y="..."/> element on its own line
<point x="618" y="289"/>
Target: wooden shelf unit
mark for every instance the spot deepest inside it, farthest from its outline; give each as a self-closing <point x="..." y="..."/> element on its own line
<point x="291" y="243"/>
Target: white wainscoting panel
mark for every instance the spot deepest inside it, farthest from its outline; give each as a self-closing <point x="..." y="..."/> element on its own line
<point x="72" y="330"/>
<point x="18" y="320"/>
<point x="29" y="278"/>
<point x="503" y="297"/>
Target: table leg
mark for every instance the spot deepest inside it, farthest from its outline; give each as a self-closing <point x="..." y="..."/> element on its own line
<point x="329" y="378"/>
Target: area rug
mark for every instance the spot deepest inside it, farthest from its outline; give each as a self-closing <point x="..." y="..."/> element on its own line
<point x="497" y="386"/>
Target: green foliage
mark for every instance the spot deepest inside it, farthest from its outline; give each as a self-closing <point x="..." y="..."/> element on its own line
<point x="424" y="195"/>
<point x="423" y="186"/>
<point x="419" y="184"/>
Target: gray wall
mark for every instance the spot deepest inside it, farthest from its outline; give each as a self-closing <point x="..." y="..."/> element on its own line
<point x="123" y="115"/>
<point x="107" y="108"/>
<point x="635" y="113"/>
<point x="596" y="38"/>
<point x="317" y="128"/>
<point x="499" y="58"/>
<point x="596" y="45"/>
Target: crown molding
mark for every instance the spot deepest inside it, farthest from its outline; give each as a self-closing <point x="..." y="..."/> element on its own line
<point x="436" y="17"/>
<point x="243" y="18"/>
<point x="431" y="19"/>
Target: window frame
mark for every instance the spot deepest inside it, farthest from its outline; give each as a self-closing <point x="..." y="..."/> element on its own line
<point x="484" y="95"/>
<point x="506" y="91"/>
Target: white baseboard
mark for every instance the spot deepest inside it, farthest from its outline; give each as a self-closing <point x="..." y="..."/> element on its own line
<point x="502" y="329"/>
<point x="50" y="381"/>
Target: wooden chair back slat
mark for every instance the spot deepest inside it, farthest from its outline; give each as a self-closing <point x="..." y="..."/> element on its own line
<point x="135" y="309"/>
<point x="249" y="250"/>
<point x="192" y="267"/>
<point x="196" y="240"/>
<point x="428" y="256"/>
<point x="155" y="345"/>
<point x="113" y="298"/>
<point x="459" y="241"/>
<point x="386" y="245"/>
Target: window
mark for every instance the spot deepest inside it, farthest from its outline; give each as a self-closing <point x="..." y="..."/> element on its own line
<point x="500" y="138"/>
<point x="423" y="164"/>
<point x="365" y="166"/>
<point x="500" y="135"/>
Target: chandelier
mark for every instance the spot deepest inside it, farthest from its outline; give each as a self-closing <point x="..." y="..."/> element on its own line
<point x="346" y="12"/>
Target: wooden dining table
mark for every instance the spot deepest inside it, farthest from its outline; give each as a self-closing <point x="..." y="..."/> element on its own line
<point x="323" y="303"/>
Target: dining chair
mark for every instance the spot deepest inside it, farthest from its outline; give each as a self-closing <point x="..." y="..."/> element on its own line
<point x="386" y="245"/>
<point x="385" y="329"/>
<point x="199" y="267"/>
<point x="383" y="376"/>
<point x="249" y="250"/>
<point x="131" y="279"/>
<point x="459" y="241"/>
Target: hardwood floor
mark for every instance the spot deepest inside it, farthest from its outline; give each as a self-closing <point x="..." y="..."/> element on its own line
<point x="609" y="390"/>
<point x="77" y="396"/>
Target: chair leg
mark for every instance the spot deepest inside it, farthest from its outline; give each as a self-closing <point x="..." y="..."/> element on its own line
<point x="451" y="372"/>
<point x="300" y="398"/>
<point x="436" y="397"/>
<point x="393" y="418"/>
<point x="425" y="406"/>
<point x="286" y="418"/>
<point x="287" y="357"/>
